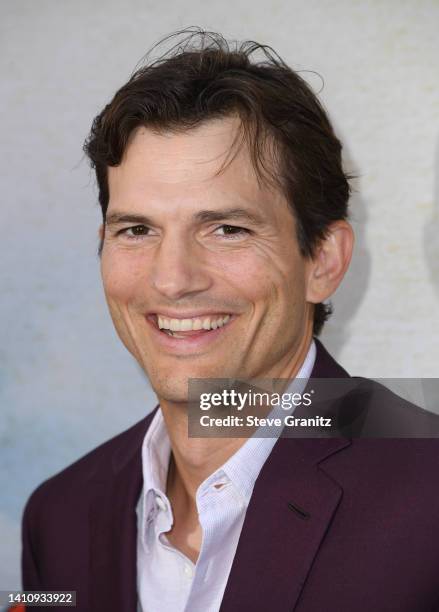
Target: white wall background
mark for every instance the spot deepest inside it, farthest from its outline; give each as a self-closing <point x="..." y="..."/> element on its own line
<point x="66" y="382"/>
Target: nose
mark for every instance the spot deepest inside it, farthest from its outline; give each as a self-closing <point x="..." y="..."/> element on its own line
<point x="178" y="268"/>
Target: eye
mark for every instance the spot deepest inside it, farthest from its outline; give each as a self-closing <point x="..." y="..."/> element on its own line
<point x="135" y="231"/>
<point x="232" y="231"/>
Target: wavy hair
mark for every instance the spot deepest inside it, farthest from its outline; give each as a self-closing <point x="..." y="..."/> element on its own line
<point x="291" y="141"/>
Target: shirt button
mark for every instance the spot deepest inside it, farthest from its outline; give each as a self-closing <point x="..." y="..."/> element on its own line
<point x="188" y="570"/>
<point x="160" y="503"/>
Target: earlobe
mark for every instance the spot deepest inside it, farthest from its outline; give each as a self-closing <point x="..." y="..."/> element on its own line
<point x="330" y="262"/>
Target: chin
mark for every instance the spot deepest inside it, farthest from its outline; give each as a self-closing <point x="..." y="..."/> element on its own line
<point x="172" y="393"/>
<point x="177" y="372"/>
<point x="170" y="387"/>
<point x="173" y="386"/>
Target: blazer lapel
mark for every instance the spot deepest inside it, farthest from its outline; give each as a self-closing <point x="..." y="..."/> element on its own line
<point x="293" y="503"/>
<point x="113" y="526"/>
<point x="288" y="516"/>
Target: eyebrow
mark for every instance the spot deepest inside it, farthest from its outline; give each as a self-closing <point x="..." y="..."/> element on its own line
<point x="116" y="217"/>
<point x="202" y="216"/>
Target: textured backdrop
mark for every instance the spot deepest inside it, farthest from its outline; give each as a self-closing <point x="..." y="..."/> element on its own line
<point x="61" y="363"/>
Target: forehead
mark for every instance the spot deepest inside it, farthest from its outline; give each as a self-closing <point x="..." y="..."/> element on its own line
<point x="202" y="163"/>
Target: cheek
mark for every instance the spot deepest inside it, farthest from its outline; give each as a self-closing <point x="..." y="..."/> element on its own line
<point x="263" y="275"/>
<point x="121" y="278"/>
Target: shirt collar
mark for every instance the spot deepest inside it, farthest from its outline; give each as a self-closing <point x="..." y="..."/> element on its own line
<point x="156" y="451"/>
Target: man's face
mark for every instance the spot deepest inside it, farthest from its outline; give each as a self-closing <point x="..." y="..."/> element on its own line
<point x="183" y="242"/>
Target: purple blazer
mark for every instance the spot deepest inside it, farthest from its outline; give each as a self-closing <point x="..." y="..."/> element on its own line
<point x="333" y="525"/>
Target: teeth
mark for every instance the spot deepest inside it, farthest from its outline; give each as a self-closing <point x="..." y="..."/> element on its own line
<point x="175" y="324"/>
<point x="163" y="323"/>
<point x="186" y="325"/>
<point x="207" y="323"/>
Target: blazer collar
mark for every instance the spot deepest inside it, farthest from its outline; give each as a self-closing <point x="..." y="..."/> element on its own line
<point x="325" y="365"/>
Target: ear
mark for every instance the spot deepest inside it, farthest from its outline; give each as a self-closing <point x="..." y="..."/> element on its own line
<point x="330" y="261"/>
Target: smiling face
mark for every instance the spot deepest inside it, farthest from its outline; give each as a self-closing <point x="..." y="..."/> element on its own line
<point x="211" y="258"/>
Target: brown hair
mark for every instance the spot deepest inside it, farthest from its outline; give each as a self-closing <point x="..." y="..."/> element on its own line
<point x="204" y="77"/>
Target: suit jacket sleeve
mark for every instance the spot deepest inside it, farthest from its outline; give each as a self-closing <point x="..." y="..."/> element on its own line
<point x="29" y="568"/>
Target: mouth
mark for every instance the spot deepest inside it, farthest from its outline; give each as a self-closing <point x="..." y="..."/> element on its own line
<point x="189" y="327"/>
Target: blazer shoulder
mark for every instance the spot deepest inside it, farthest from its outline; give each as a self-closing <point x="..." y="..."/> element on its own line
<point x="386" y="414"/>
<point x="98" y="464"/>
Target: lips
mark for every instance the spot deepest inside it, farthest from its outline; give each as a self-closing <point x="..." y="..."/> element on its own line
<point x="185" y="334"/>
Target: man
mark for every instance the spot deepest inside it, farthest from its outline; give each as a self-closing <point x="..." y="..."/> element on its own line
<point x="224" y="231"/>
